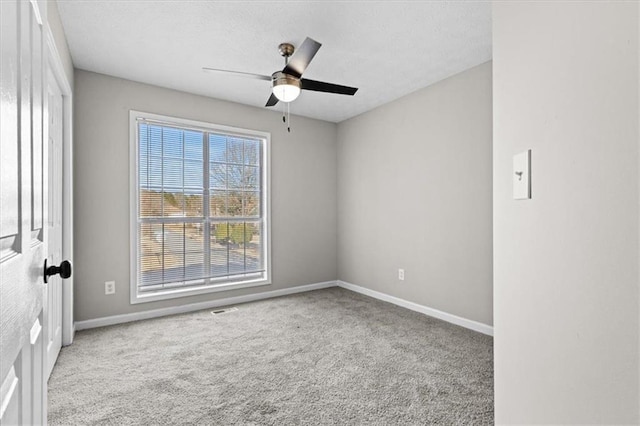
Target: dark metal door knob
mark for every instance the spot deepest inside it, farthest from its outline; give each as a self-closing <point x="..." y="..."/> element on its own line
<point x="64" y="270"/>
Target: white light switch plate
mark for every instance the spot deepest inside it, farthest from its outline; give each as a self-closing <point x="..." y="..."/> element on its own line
<point x="522" y="175"/>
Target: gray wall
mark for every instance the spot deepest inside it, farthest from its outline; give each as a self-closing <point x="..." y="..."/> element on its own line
<point x="303" y="186"/>
<point x="566" y="261"/>
<point x="53" y="17"/>
<point x="415" y="193"/>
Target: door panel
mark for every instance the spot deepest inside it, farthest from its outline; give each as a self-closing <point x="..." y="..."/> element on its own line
<point x="37" y="142"/>
<point x="9" y="164"/>
<point x="10" y="397"/>
<point x="23" y="184"/>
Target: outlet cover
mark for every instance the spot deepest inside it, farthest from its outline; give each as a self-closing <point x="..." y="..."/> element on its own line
<point x="109" y="287"/>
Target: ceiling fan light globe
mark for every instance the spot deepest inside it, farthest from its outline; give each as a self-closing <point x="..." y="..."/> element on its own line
<point x="286" y="92"/>
<point x="285" y="87"/>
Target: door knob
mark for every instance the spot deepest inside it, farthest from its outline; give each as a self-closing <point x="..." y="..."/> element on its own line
<point x="64" y="270"/>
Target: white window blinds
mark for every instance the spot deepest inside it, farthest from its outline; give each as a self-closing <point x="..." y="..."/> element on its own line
<point x="200" y="205"/>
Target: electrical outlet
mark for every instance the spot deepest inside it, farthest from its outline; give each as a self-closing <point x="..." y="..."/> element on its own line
<point x="109" y="287"/>
<point x="401" y="274"/>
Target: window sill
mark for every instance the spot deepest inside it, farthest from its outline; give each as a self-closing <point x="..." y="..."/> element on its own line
<point x="178" y="292"/>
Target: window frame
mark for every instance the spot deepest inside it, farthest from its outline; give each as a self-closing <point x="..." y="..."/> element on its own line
<point x="134" y="207"/>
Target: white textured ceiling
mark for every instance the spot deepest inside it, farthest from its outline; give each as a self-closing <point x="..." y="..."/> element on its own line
<point x="385" y="48"/>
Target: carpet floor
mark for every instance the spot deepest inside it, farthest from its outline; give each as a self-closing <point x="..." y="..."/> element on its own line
<point x="324" y="357"/>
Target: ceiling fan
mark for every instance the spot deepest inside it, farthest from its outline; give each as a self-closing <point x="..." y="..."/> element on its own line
<point x="286" y="84"/>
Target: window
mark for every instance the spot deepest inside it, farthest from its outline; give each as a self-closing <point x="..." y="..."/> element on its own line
<point x="200" y="207"/>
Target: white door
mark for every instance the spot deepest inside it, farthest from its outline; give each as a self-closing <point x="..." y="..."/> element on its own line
<point x="53" y="289"/>
<point x="23" y="213"/>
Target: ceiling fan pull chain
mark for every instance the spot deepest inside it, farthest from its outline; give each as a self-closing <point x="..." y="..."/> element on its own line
<point x="289" y="117"/>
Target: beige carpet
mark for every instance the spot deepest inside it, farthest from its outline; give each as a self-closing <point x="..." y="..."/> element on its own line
<point x="324" y="357"/>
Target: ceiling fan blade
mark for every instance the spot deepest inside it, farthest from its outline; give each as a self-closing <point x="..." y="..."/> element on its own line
<point x="321" y="86"/>
<point x="240" y="73"/>
<point x="272" y="100"/>
<point x="301" y="57"/>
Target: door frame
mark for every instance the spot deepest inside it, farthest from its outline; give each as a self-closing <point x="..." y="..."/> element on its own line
<point x="54" y="64"/>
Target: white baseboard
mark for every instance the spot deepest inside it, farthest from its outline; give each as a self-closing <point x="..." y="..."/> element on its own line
<point x="191" y="307"/>
<point x="454" y="319"/>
